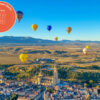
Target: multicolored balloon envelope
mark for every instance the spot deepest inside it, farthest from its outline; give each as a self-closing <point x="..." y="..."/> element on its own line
<point x="69" y="29"/>
<point x="23" y="57"/>
<point x="19" y="15"/>
<point x="34" y="27"/>
<point x="49" y="27"/>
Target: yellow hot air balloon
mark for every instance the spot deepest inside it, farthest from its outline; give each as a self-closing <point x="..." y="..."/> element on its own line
<point x="56" y="38"/>
<point x="88" y="47"/>
<point x="91" y="81"/>
<point x="69" y="29"/>
<point x="85" y="85"/>
<point x="34" y="27"/>
<point x="23" y="57"/>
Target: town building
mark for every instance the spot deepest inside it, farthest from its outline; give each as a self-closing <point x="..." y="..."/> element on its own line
<point x="44" y="60"/>
<point x="47" y="80"/>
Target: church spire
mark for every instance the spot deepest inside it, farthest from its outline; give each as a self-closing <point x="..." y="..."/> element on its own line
<point x="55" y="80"/>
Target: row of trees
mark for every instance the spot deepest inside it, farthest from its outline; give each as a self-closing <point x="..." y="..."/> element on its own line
<point x="68" y="73"/>
<point x="64" y="73"/>
<point x="13" y="97"/>
<point x="22" y="73"/>
<point x="5" y="66"/>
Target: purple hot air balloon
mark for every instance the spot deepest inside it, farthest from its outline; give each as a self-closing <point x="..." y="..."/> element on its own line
<point x="19" y="15"/>
<point x="49" y="27"/>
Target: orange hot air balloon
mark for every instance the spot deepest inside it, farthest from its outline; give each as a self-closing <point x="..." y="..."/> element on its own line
<point x="56" y="38"/>
<point x="69" y="29"/>
<point x="34" y="27"/>
<point x="19" y="15"/>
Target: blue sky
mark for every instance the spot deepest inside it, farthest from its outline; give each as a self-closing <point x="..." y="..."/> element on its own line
<point x="82" y="15"/>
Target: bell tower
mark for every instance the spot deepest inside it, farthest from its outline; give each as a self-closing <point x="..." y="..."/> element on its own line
<point x="39" y="78"/>
<point x="55" y="77"/>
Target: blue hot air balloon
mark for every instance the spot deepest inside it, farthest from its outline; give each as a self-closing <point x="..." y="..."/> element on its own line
<point x="19" y="15"/>
<point x="49" y="27"/>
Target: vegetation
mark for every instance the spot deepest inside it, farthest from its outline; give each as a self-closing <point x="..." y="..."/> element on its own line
<point x="64" y="73"/>
<point x="85" y="77"/>
<point x="21" y="73"/>
<point x="93" y="67"/>
<point x="5" y="66"/>
<point x="47" y="73"/>
<point x="50" y="90"/>
<point x="14" y="97"/>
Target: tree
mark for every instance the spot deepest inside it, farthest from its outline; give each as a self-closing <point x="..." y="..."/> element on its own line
<point x="14" y="97"/>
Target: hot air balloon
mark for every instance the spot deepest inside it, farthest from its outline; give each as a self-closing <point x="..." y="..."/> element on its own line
<point x="56" y="38"/>
<point x="85" y="51"/>
<point x="69" y="29"/>
<point x="91" y="81"/>
<point x="34" y="27"/>
<point x="23" y="57"/>
<point x="19" y="15"/>
<point x="88" y="47"/>
<point x="85" y="84"/>
<point x="49" y="28"/>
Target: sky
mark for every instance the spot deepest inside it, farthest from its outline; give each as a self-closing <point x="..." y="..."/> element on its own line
<point x="82" y="15"/>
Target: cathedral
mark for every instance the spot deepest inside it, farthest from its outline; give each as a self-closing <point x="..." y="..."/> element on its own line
<point x="47" y="80"/>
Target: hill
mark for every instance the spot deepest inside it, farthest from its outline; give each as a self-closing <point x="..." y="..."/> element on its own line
<point x="10" y="40"/>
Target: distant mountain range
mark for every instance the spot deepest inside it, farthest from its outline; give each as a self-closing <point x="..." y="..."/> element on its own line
<point x="34" y="41"/>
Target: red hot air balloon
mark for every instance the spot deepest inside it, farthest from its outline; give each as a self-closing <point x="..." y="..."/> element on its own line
<point x="19" y="15"/>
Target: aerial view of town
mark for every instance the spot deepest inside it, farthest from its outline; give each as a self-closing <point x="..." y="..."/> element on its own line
<point x="49" y="50"/>
<point x="50" y="73"/>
